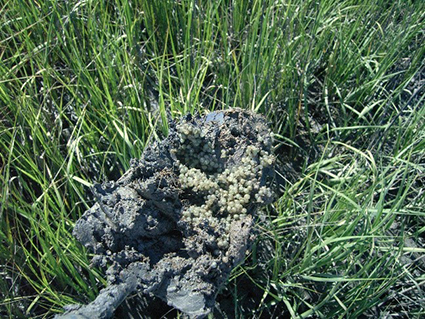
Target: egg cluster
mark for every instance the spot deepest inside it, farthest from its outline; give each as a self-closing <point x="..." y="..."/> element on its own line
<point x="195" y="149"/>
<point x="228" y="191"/>
<point x="196" y="179"/>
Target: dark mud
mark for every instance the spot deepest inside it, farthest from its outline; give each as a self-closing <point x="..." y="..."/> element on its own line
<point x="181" y="218"/>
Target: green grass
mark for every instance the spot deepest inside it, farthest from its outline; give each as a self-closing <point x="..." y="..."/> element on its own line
<point x="84" y="85"/>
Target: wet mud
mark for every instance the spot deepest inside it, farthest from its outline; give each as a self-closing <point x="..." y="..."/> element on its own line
<point x="181" y="218"/>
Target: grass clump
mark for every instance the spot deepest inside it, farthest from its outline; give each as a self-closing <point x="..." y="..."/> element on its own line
<point x="85" y="85"/>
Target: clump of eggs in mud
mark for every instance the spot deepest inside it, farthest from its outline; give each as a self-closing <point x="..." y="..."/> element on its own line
<point x="227" y="192"/>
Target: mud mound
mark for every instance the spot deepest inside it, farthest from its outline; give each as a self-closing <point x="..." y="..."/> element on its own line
<point x="181" y="218"/>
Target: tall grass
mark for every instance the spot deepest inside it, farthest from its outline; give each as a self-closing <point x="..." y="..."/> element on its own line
<point x="84" y="85"/>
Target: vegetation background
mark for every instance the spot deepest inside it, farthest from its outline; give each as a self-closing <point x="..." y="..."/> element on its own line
<point x="84" y="85"/>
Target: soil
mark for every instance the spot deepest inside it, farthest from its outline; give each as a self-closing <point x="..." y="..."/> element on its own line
<point x="137" y="231"/>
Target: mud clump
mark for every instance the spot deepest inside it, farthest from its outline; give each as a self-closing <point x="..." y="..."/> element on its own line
<point x="181" y="218"/>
